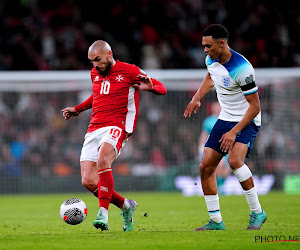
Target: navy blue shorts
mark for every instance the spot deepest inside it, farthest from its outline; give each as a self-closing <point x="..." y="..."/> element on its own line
<point x="246" y="136"/>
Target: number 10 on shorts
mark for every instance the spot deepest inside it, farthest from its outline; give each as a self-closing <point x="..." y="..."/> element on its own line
<point x="115" y="133"/>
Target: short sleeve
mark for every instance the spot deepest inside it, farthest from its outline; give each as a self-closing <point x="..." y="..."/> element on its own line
<point x="246" y="79"/>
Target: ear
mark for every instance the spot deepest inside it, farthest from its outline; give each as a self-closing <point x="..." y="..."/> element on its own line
<point x="222" y="43"/>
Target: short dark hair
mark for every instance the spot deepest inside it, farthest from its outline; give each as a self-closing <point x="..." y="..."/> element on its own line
<point x="216" y="31"/>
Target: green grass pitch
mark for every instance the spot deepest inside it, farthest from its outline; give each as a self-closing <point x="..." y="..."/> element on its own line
<point x="162" y="221"/>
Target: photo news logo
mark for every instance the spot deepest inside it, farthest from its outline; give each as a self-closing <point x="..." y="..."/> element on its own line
<point x="276" y="238"/>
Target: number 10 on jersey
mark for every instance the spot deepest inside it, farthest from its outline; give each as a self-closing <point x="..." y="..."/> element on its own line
<point x="105" y="86"/>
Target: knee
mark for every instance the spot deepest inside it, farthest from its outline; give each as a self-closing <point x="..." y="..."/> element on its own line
<point x="205" y="170"/>
<point x="234" y="163"/>
<point x="88" y="182"/>
<point x="103" y="163"/>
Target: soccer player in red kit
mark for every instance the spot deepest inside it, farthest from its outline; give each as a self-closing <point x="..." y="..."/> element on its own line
<point x="115" y="105"/>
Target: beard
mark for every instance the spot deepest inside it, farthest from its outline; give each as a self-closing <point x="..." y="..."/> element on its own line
<point x="104" y="72"/>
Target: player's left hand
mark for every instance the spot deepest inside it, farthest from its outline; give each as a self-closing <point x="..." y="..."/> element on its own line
<point x="227" y="140"/>
<point x="69" y="113"/>
<point x="146" y="83"/>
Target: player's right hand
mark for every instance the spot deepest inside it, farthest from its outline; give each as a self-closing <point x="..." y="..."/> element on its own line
<point x="145" y="83"/>
<point x="69" y="112"/>
<point x="193" y="106"/>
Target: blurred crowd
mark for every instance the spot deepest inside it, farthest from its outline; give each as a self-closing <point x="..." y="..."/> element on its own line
<point x="55" y="35"/>
<point x="36" y="140"/>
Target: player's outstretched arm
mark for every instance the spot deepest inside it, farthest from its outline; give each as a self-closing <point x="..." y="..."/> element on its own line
<point x="195" y="103"/>
<point x="71" y="112"/>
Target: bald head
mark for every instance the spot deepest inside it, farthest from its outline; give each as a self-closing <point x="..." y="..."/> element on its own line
<point x="100" y="55"/>
<point x="99" y="46"/>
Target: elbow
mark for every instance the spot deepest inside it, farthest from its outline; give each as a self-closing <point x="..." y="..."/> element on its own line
<point x="256" y="109"/>
<point x="161" y="91"/>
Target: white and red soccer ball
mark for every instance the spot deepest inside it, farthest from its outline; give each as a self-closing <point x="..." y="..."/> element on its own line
<point x="73" y="211"/>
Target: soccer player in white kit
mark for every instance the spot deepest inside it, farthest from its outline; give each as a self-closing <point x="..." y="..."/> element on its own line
<point x="239" y="121"/>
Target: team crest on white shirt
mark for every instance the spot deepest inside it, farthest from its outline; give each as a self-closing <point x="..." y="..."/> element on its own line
<point x="119" y="78"/>
<point x="226" y="81"/>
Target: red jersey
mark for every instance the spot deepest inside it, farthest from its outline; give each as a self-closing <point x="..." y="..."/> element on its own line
<point x="115" y="102"/>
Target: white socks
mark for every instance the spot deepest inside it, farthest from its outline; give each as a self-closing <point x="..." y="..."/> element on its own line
<point x="126" y="205"/>
<point x="212" y="201"/>
<point x="213" y="207"/>
<point x="243" y="173"/>
<point x="104" y="211"/>
<point x="252" y="199"/>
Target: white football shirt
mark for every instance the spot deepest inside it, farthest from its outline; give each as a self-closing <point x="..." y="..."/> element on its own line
<point x="233" y="80"/>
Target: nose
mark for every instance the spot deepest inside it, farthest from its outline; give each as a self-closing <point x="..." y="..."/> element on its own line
<point x="95" y="64"/>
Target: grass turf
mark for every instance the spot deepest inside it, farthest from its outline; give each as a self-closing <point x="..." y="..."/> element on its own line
<point x="162" y="221"/>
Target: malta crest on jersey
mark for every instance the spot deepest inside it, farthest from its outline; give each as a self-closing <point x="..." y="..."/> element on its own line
<point x="226" y="81"/>
<point x="119" y="78"/>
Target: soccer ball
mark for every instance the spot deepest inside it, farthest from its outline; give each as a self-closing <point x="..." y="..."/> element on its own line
<point x="73" y="211"/>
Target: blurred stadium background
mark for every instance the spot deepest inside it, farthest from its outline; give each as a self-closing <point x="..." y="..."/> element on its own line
<point x="44" y="68"/>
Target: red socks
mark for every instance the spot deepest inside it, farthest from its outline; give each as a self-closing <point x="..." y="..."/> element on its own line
<point x="117" y="199"/>
<point x="105" y="187"/>
<point x="105" y="191"/>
